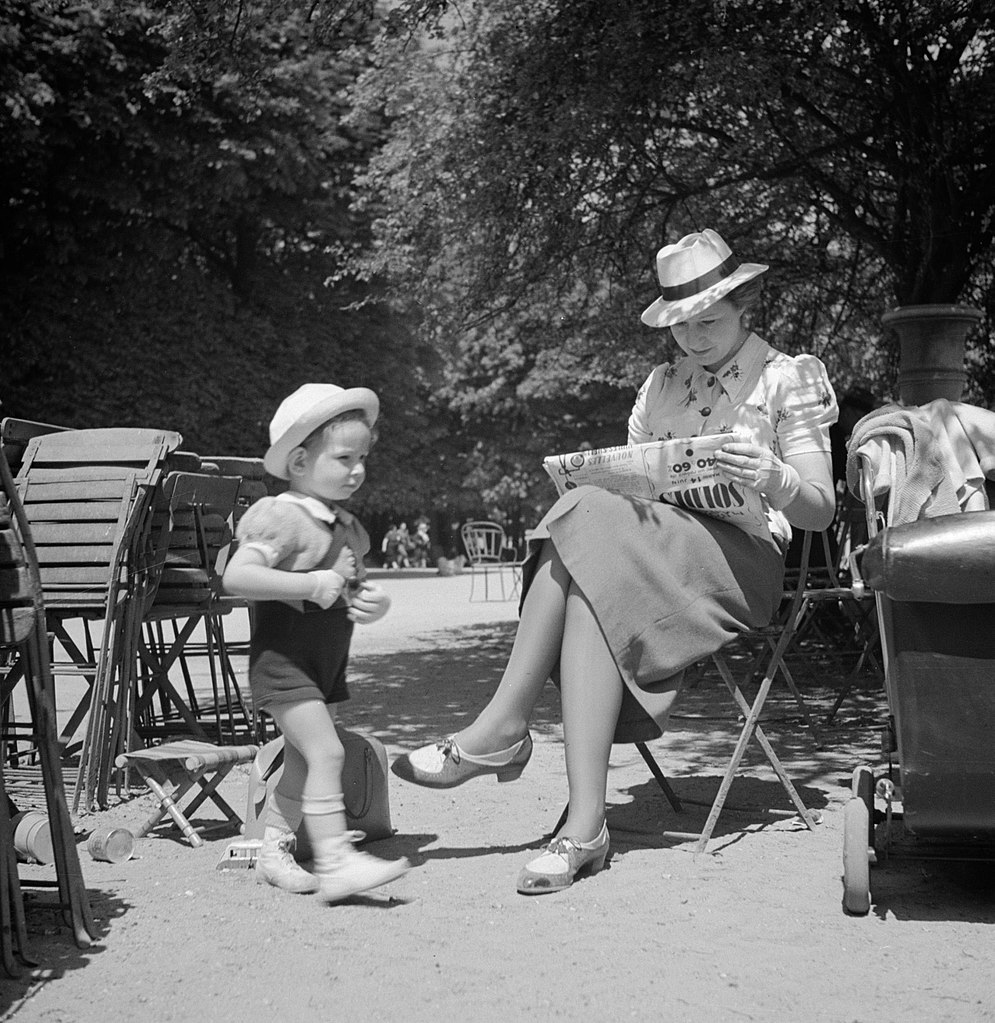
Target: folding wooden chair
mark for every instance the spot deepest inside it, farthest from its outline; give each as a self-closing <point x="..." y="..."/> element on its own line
<point x="768" y="665"/>
<point x="23" y="627"/>
<point x="197" y="511"/>
<point x="487" y="547"/>
<point x="87" y="496"/>
<point x="179" y="766"/>
<point x="15" y="434"/>
<point x="13" y="927"/>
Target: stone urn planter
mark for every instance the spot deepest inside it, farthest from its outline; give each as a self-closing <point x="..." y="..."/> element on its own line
<point x="931" y="350"/>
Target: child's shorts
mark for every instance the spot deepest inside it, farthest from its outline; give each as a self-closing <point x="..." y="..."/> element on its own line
<point x="297" y="656"/>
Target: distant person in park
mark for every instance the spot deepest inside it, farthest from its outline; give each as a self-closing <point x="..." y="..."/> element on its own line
<point x="389" y="547"/>
<point x="621" y="594"/>
<point x="300" y="560"/>
<point x="403" y="546"/>
<point x="420" y="544"/>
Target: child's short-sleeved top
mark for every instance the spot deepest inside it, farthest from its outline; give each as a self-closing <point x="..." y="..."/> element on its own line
<point x="782" y="402"/>
<point x="296" y="533"/>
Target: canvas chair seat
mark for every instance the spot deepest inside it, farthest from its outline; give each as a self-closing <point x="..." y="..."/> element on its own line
<point x="173" y="769"/>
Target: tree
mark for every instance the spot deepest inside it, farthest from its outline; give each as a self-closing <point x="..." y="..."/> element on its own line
<point x="176" y="188"/>
<point x="539" y="154"/>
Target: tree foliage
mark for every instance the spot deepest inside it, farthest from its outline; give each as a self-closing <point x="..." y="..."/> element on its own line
<point x="177" y="186"/>
<point x="205" y="200"/>
<point x="540" y="153"/>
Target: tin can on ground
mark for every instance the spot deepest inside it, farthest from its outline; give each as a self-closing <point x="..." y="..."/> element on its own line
<point x="111" y="845"/>
<point x="33" y="836"/>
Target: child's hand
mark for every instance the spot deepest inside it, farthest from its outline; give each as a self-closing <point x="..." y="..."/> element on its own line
<point x="369" y="604"/>
<point x="345" y="564"/>
<point x="327" y="585"/>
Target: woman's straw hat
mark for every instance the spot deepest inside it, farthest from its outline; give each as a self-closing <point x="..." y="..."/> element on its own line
<point x="694" y="273"/>
<point x="309" y="407"/>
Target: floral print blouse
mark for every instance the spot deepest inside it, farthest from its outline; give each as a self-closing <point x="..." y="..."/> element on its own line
<point x="764" y="396"/>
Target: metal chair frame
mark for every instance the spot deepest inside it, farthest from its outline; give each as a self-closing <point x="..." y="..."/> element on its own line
<point x="485" y="543"/>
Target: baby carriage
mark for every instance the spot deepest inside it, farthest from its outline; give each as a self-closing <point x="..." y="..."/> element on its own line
<point x="934" y="585"/>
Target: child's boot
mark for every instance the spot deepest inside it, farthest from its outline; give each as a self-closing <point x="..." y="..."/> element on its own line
<point x="275" y="864"/>
<point x="341" y="869"/>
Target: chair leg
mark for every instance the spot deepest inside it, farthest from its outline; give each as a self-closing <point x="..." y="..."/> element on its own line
<point x="69" y="875"/>
<point x="168" y="805"/>
<point x="560" y="820"/>
<point x="675" y="803"/>
<point x="810" y="723"/>
<point x="209" y="791"/>
<point x="750" y="730"/>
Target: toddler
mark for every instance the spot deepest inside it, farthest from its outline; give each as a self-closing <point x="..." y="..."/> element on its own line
<point x="300" y="560"/>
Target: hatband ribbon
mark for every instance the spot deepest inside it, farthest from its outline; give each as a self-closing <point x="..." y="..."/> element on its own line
<point x="699" y="284"/>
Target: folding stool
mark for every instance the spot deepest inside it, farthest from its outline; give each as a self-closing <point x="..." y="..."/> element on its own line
<point x="183" y="764"/>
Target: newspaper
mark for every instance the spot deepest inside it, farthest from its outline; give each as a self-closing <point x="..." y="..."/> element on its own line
<point x="680" y="471"/>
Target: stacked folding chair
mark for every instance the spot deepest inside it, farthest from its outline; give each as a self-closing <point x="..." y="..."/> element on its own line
<point x="194" y="517"/>
<point x="23" y="629"/>
<point x="87" y="495"/>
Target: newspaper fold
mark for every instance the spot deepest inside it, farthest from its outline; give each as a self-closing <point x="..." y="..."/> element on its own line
<point x="680" y="471"/>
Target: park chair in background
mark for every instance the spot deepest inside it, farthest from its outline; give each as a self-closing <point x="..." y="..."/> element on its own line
<point x="23" y="630"/>
<point x="489" y="553"/>
<point x="87" y="495"/>
<point x="250" y="472"/>
<point x="837" y="626"/>
<point x="193" y="533"/>
<point x="255" y="484"/>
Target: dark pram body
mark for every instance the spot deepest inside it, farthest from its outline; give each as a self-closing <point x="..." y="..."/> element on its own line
<point x="934" y="585"/>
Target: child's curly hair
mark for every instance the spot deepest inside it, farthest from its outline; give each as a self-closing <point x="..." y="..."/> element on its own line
<point x="352" y="415"/>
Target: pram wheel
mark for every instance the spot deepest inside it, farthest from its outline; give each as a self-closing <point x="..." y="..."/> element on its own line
<point x="862" y="786"/>
<point x="858" y="839"/>
<point x="856" y="863"/>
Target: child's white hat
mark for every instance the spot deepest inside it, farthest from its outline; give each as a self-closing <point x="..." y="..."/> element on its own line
<point x="300" y="414"/>
<point x="695" y="273"/>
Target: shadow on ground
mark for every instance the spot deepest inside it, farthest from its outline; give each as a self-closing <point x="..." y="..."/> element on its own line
<point x="50" y="944"/>
<point x="934" y="890"/>
<point x="412" y="697"/>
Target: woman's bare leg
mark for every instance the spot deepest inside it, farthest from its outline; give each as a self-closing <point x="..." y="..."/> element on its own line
<point x="591" y="698"/>
<point x="534" y="654"/>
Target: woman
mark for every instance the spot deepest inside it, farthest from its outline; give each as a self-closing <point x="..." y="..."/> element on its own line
<point x="622" y="593"/>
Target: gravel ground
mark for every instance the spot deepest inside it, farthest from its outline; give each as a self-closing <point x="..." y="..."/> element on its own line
<point x="753" y="929"/>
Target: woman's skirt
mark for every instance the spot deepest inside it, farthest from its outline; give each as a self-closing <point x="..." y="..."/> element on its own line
<point x="668" y="587"/>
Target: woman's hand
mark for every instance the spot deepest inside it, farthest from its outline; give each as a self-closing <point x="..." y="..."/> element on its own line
<point x="758" y="468"/>
<point x="801" y="487"/>
<point x="369" y="604"/>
